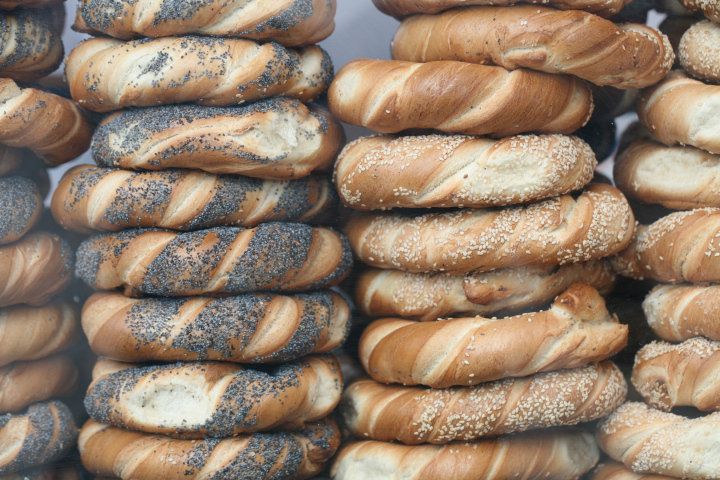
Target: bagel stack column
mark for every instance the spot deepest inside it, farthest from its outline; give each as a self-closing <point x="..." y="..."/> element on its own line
<point x="203" y="203"/>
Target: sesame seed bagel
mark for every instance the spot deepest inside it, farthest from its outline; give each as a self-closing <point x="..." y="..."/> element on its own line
<point x="274" y="138"/>
<point x="561" y="454"/>
<point x="120" y="453"/>
<point x="24" y="383"/>
<point x="383" y="172"/>
<point x="34" y="269"/>
<point x="598" y="223"/>
<point x="90" y="199"/>
<point x="31" y="48"/>
<point x="680" y="247"/>
<point x="43" y="434"/>
<point x="669" y="375"/>
<point x="209" y="399"/>
<point x="403" y="8"/>
<point x="650" y="441"/>
<point x="20" y="208"/>
<point x="618" y="471"/>
<point x="429" y="296"/>
<point x="680" y="178"/>
<point x="221" y="261"/>
<point x="10" y="159"/>
<point x="700" y="51"/>
<point x="680" y="312"/>
<point x="289" y="22"/>
<point x="457" y="97"/>
<point x="210" y="71"/>
<point x="575" y="331"/>
<point x="710" y="8"/>
<point x="681" y="110"/>
<point x="258" y="327"/>
<point x="416" y="415"/>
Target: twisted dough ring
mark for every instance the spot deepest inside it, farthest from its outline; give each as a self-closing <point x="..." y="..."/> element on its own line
<point x="24" y="383"/>
<point x="20" y="207"/>
<point x="246" y="328"/>
<point x="90" y="198"/>
<point x="289" y="22"/>
<point x="681" y="312"/>
<point x="107" y="74"/>
<point x="575" y="331"/>
<point x="403" y="8"/>
<point x="29" y="47"/>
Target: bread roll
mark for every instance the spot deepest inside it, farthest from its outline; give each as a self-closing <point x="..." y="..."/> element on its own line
<point x="562" y="230"/>
<point x="20" y="207"/>
<point x="680" y="312"/>
<point x="53" y="127"/>
<point x="106" y="74"/>
<point x="416" y="415"/>
<point x="404" y="8"/>
<point x="618" y="471"/>
<point x="679" y="177"/>
<point x="90" y="198"/>
<point x="540" y="38"/>
<point x="24" y="383"/>
<point x="10" y="159"/>
<point x="565" y="455"/>
<point x="289" y="22"/>
<point x="383" y="172"/>
<point x="248" y="328"/>
<point x="575" y="331"/>
<point x="710" y="8"/>
<point x="220" y="261"/>
<point x="30" y="49"/>
<point x="680" y="247"/>
<point x="457" y="97"/>
<point x="429" y="296"/>
<point x="34" y="269"/>
<point x="680" y="110"/>
<point x="115" y="452"/>
<point x="41" y="435"/>
<point x="700" y="51"/>
<point x="274" y="138"/>
<point x="651" y="441"/>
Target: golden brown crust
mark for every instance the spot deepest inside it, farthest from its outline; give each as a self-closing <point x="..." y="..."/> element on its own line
<point x="618" y="471"/>
<point x="384" y="172"/>
<point x="404" y="8"/>
<point x="210" y="71"/>
<point x="429" y="296"/>
<point x="90" y="199"/>
<point x="20" y="208"/>
<point x="562" y="230"/>
<point x="289" y="22"/>
<point x="219" y="261"/>
<point x="115" y="452"/>
<point x="34" y="269"/>
<point x="700" y="51"/>
<point x="572" y="42"/>
<point x="24" y="383"/>
<point x="680" y="312"/>
<point x="575" y="331"/>
<point x="710" y="8"/>
<point x="416" y="415"/>
<point x="457" y="97"/>
<point x="31" y="48"/>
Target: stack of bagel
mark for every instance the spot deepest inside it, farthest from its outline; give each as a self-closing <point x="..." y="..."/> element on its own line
<point x="516" y="224"/>
<point x="214" y="316"/>
<point x="676" y="166"/>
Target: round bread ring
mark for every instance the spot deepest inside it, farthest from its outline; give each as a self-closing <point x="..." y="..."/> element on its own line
<point x="561" y="454"/>
<point x="142" y="73"/>
<point x="41" y="435"/>
<point x="416" y="415"/>
<point x="681" y="110"/>
<point x="567" y="229"/>
<point x="24" y="383"/>
<point x="198" y="400"/>
<point x="618" y="471"/>
<point x="248" y="328"/>
<point x="20" y="208"/>
<point x="279" y="455"/>
<point x="710" y="8"/>
<point x="291" y="23"/>
<point x="383" y="172"/>
<point x="404" y="8"/>
<point x="429" y="296"/>
<point x="31" y="48"/>
<point x="239" y="140"/>
<point x="282" y="257"/>
<point x="10" y="159"/>
<point x="575" y="331"/>
<point x="650" y="441"/>
<point x="681" y="178"/>
<point x="699" y="51"/>
<point x="681" y="312"/>
<point x="539" y="38"/>
<point x="90" y="199"/>
<point x="686" y="374"/>
<point x="34" y="269"/>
